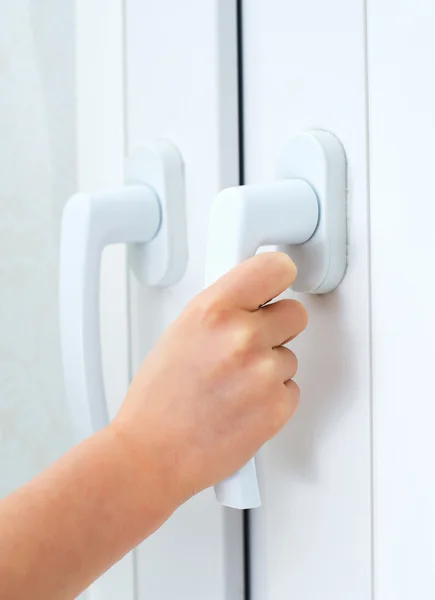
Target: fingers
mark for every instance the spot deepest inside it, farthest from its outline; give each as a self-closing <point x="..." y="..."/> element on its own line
<point x="282" y="321"/>
<point x="286" y="362"/>
<point x="286" y="406"/>
<point x="256" y="280"/>
<point x="293" y="395"/>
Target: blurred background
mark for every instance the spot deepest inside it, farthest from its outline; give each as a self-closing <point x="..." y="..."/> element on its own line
<point x="38" y="174"/>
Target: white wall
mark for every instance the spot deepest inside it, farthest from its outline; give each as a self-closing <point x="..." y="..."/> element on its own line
<point x="401" y="47"/>
<point x="305" y="69"/>
<point x="37" y="174"/>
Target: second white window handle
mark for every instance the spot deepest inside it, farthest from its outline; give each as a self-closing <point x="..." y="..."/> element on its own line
<point x="245" y="218"/>
<point x="305" y="211"/>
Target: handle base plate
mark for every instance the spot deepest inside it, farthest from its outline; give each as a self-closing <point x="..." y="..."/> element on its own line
<point x="318" y="158"/>
<point x="163" y="260"/>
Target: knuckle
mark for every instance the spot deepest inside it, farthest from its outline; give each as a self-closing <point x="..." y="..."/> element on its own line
<point x="266" y="371"/>
<point x="293" y="388"/>
<point x="280" y="414"/>
<point x="293" y="395"/>
<point x="243" y="339"/>
<point x="208" y="312"/>
<point x="284" y="407"/>
<point x="293" y="359"/>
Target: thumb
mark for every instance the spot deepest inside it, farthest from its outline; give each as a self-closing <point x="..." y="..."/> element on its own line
<point x="255" y="281"/>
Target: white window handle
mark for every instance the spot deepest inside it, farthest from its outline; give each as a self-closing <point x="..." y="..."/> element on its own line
<point x="90" y="222"/>
<point x="148" y="214"/>
<point x="305" y="210"/>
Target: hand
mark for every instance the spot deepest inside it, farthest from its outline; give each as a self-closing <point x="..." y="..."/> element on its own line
<point x="214" y="389"/>
<point x="219" y="383"/>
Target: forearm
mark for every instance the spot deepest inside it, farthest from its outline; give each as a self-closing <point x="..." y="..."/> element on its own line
<point x="63" y="529"/>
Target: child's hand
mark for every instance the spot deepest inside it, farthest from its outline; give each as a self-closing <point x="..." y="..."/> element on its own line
<point x="214" y="389"/>
<point x="218" y="384"/>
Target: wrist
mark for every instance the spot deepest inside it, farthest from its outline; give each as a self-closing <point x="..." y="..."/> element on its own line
<point x="149" y="472"/>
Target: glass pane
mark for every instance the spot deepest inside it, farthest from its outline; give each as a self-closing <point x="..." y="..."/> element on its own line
<point x="37" y="174"/>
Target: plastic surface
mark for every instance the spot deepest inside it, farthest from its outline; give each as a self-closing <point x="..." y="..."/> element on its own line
<point x="318" y="157"/>
<point x="89" y="223"/>
<point x="163" y="260"/>
<point x="305" y="212"/>
<point x="243" y="219"/>
<point x="148" y="215"/>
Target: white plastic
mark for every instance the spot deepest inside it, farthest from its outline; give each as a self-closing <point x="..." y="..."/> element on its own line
<point x="318" y="157"/>
<point x="243" y="219"/>
<point x="249" y="216"/>
<point x="308" y="215"/>
<point x="148" y="215"/>
<point x="163" y="260"/>
<point x="89" y="223"/>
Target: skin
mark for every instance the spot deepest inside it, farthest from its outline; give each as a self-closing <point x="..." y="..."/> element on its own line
<point x="215" y="388"/>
